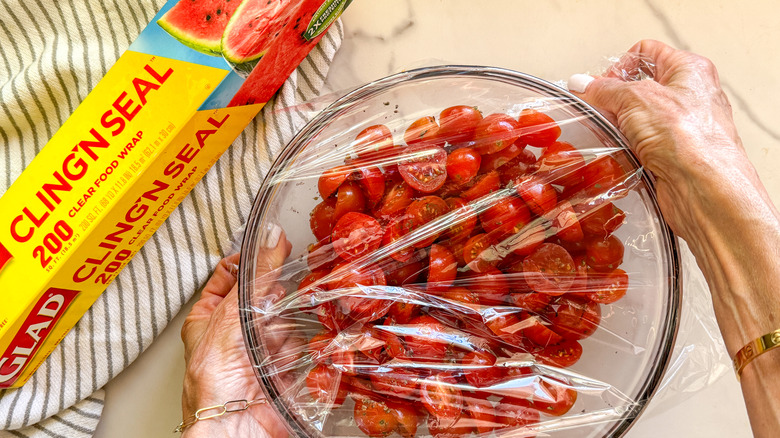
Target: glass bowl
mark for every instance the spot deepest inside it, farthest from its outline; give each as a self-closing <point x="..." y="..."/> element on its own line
<point x="622" y="362"/>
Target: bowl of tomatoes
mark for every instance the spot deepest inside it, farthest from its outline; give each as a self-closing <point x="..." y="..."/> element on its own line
<point x="475" y="252"/>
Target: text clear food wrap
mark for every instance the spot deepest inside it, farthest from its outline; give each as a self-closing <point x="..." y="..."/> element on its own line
<point x="474" y="250"/>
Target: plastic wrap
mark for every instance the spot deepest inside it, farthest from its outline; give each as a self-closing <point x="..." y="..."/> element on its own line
<point x="497" y="268"/>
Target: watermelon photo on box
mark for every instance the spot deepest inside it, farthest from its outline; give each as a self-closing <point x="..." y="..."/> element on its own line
<point x="131" y="152"/>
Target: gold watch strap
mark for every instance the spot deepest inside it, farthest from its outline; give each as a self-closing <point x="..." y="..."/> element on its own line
<point x="754" y="349"/>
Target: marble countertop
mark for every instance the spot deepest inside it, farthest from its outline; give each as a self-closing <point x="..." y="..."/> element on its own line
<point x="550" y="39"/>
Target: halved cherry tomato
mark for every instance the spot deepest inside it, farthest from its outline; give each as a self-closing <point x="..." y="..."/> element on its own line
<point x="321" y="256"/>
<point x="306" y="288"/>
<point x="354" y="302"/>
<point x="562" y="164"/>
<point x="374" y="417"/>
<point x="457" y="124"/>
<point x="491" y="285"/>
<point x="373" y="182"/>
<point x="533" y="302"/>
<point x="504" y="156"/>
<point x="422" y="211"/>
<point x="565" y="223"/>
<point x="424" y="167"/>
<point x="480" y="370"/>
<point x="517" y="414"/>
<point x="332" y="317"/>
<point x="356" y="235"/>
<point x="562" y="355"/>
<point x="526" y="240"/>
<point x="583" y="272"/>
<point x="480" y="413"/>
<point x="399" y="273"/>
<point x="463" y="165"/>
<point x="482" y="185"/>
<point x="349" y="198"/>
<point x="407" y="416"/>
<point x="496" y="132"/>
<point x="539" y="333"/>
<point x="603" y="174"/>
<point x="517" y="167"/>
<point x="549" y="269"/>
<point x="606" y="288"/>
<point x="326" y="386"/>
<point x="397" y="198"/>
<point x="478" y="253"/>
<point x="423" y="131"/>
<point x="321" y="219"/>
<point x="426" y="338"/>
<point x="442" y="269"/>
<point x="442" y="398"/>
<point x="372" y="141"/>
<point x="395" y="231"/>
<point x="505" y="217"/>
<point x="464" y="221"/>
<point x="331" y="179"/>
<point x="600" y="221"/>
<point x="575" y="318"/>
<point x="604" y="255"/>
<point x="539" y="195"/>
<point x="553" y="399"/>
<point x="401" y="312"/>
<point x="537" y="128"/>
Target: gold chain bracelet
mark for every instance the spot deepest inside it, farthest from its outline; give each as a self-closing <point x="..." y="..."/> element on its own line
<point x="226" y="408"/>
<point x="754" y="349"/>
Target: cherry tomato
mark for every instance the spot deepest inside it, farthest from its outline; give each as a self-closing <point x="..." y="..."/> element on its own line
<point x="564" y="221"/>
<point x="509" y="329"/>
<point x="600" y="221"/>
<point x="464" y="221"/>
<point x="374" y="417"/>
<point x="408" y="418"/>
<point x="373" y="182"/>
<point x="372" y="140"/>
<point x="395" y="231"/>
<point x="424" y="167"/>
<point x="534" y="302"/>
<point x="496" y="132"/>
<point x="505" y="217"/>
<point x="482" y="185"/>
<point x="331" y="179"/>
<point x="398" y="382"/>
<point x="306" y="288"/>
<point x="356" y="235"/>
<point x="463" y="165"/>
<point x="562" y="355"/>
<point x="491" y="285"/>
<point x="603" y="174"/>
<point x="443" y="268"/>
<point x="517" y="167"/>
<point x="549" y="269"/>
<point x="402" y="312"/>
<point x="397" y="198"/>
<point x="540" y="196"/>
<point x="553" y="399"/>
<point x="426" y="338"/>
<point x="442" y="398"/>
<point x="604" y="255"/>
<point x="606" y="288"/>
<point x="425" y="210"/>
<point x="539" y="333"/>
<point x="475" y="255"/>
<point x="321" y="219"/>
<point x="399" y="273"/>
<point x="480" y="370"/>
<point x="459" y="123"/>
<point x="461" y="295"/>
<point x="517" y="414"/>
<point x="583" y="272"/>
<point x="480" y="412"/>
<point x="575" y="318"/>
<point x="355" y="303"/>
<point x="325" y="386"/>
<point x="423" y="131"/>
<point x="561" y="164"/>
<point x="525" y="241"/>
<point x="537" y="129"/>
<point x="321" y="256"/>
<point x="349" y="198"/>
<point x="332" y="317"/>
<point x="504" y="156"/>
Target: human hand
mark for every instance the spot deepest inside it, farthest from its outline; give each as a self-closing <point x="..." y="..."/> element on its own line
<point x="681" y="128"/>
<point x="217" y="366"/>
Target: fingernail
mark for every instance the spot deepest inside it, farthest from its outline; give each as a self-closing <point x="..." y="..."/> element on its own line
<point x="273" y="233"/>
<point x="579" y="82"/>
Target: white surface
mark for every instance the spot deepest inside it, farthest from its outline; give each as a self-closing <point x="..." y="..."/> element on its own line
<point x="552" y="40"/>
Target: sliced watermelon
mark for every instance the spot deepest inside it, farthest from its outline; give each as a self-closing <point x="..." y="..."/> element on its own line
<point x="283" y="55"/>
<point x="199" y="24"/>
<point x="253" y="25"/>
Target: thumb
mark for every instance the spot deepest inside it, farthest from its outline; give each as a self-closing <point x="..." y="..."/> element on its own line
<point x="605" y="93"/>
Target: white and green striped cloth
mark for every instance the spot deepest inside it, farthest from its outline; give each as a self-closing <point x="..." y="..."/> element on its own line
<point x="52" y="53"/>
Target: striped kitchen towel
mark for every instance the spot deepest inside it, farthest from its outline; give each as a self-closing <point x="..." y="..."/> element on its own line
<point x="53" y="53"/>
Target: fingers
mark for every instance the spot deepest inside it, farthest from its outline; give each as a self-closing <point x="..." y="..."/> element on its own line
<point x="273" y="251"/>
<point x="608" y="94"/>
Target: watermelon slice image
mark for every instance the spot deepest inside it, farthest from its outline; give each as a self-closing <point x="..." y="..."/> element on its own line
<point x="285" y="51"/>
<point x="199" y="24"/>
<point x="253" y="26"/>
